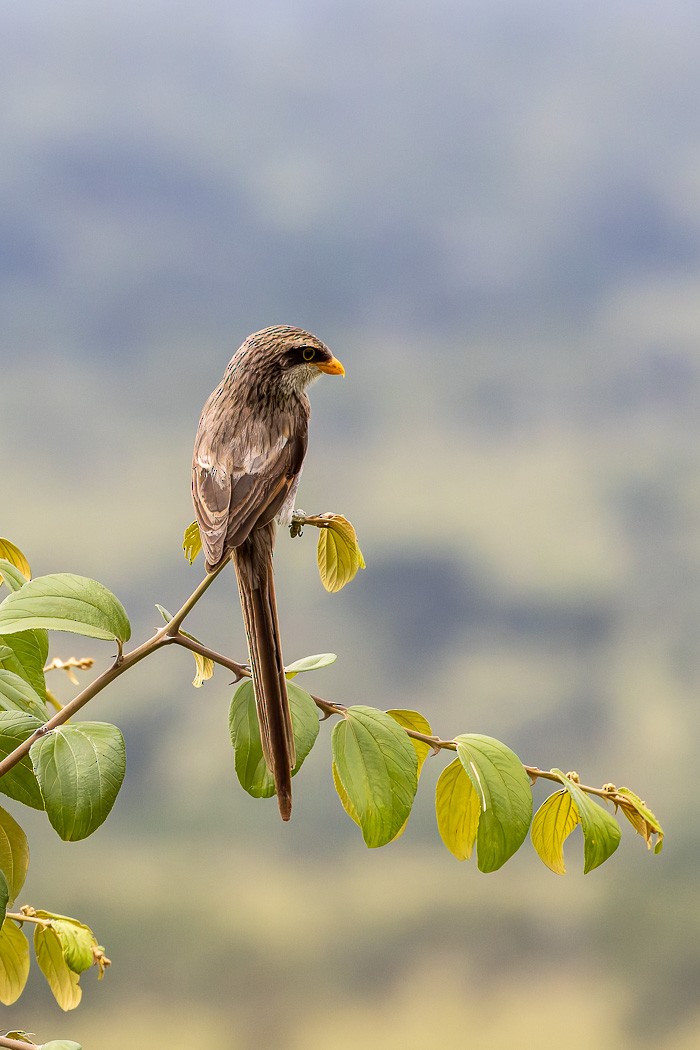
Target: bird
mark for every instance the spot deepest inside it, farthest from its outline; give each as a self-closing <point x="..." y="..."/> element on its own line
<point x="247" y="461"/>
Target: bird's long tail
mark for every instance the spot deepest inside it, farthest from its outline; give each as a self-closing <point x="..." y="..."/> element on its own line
<point x="253" y="563"/>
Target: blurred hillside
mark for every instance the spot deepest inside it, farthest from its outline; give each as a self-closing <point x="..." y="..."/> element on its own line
<point x="491" y="212"/>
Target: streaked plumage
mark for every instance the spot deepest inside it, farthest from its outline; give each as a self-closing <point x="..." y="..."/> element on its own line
<point x="248" y="457"/>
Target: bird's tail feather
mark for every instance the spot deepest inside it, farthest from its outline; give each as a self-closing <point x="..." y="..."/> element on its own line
<point x="253" y="564"/>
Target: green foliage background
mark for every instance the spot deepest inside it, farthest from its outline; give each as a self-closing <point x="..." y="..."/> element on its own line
<point x="491" y="214"/>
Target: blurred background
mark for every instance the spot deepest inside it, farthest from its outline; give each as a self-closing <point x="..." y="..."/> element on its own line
<point x="491" y="212"/>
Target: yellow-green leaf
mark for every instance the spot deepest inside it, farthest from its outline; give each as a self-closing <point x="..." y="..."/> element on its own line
<point x="378" y="770"/>
<point x="4" y="896"/>
<point x="309" y="663"/>
<point x="551" y="826"/>
<point x="457" y="809"/>
<point x="503" y="787"/>
<point x="601" y="832"/>
<point x="14" y="853"/>
<point x="204" y="667"/>
<point x="11" y="575"/>
<point x="14" y="962"/>
<point x="77" y="940"/>
<point x="640" y="817"/>
<point x="419" y="724"/>
<point x="339" y="554"/>
<point x="14" y="555"/>
<point x="192" y="542"/>
<point x="63" y="982"/>
<point x="343" y="796"/>
<point x="204" y="670"/>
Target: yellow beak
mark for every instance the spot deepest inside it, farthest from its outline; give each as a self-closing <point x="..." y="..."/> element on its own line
<point x="332" y="367"/>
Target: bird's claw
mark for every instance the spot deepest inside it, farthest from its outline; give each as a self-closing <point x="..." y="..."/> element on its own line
<point x="297" y="523"/>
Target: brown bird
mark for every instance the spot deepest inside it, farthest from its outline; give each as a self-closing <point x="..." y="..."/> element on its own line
<point x="248" y="457"/>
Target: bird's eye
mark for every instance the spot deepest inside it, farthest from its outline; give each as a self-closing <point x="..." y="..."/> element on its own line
<point x="308" y="353"/>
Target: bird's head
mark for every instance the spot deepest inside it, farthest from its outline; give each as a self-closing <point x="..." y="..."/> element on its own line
<point x="292" y="356"/>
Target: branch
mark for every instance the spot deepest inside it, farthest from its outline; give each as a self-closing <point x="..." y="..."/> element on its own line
<point x="240" y="670"/>
<point x="299" y="519"/>
<point x="17" y="1044"/>
<point x="608" y="792"/>
<point x="171" y="634"/>
<point x="123" y="662"/>
<point x="174" y="625"/>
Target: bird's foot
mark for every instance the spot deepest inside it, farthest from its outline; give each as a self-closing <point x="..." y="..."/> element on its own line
<point x="297" y="523"/>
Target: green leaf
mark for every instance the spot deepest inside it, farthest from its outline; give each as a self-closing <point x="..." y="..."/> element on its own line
<point x="251" y="768"/>
<point x="80" y="769"/>
<point x="63" y="601"/>
<point x="14" y="853"/>
<point x="250" y="765"/>
<point x="19" y="783"/>
<point x="192" y="543"/>
<point x="601" y="832"/>
<point x="14" y="962"/>
<point x="204" y="667"/>
<point x="63" y="982"/>
<point x="25" y="654"/>
<point x="77" y="940"/>
<point x="378" y="770"/>
<point x="339" y="555"/>
<point x="309" y="663"/>
<point x="503" y="788"/>
<point x="551" y="826"/>
<point x="17" y="695"/>
<point x="11" y="575"/>
<point x="417" y="722"/>
<point x="12" y="554"/>
<point x="457" y="809"/>
<point x="640" y="817"/>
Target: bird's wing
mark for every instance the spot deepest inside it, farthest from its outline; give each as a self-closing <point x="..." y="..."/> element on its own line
<point x="211" y="493"/>
<point x="232" y="498"/>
